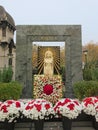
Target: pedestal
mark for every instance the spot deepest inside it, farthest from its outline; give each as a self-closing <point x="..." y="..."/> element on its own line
<point x="66" y="123"/>
<point x="95" y="124"/>
<point x="39" y="124"/>
<point x="9" y="126"/>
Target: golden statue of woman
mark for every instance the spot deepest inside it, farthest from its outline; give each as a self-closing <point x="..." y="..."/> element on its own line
<point x="48" y="63"/>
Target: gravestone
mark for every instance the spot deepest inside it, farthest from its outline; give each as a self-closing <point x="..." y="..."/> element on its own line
<point x="26" y="34"/>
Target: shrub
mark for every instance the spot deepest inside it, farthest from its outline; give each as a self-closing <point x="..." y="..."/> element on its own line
<point x="6" y="75"/>
<point x="87" y="74"/>
<point x="10" y="90"/>
<point x="95" y="74"/>
<point x="84" y="89"/>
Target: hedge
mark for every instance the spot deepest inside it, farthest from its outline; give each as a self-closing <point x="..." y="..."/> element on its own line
<point x="10" y="90"/>
<point x="84" y="89"/>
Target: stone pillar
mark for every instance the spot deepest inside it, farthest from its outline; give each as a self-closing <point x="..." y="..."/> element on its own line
<point x="73" y="60"/>
<point x="24" y="63"/>
<point x="68" y="84"/>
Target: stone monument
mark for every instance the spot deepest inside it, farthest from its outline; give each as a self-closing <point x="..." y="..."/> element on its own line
<point x="70" y="34"/>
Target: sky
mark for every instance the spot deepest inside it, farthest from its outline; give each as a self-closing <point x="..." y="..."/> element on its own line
<point x="56" y="12"/>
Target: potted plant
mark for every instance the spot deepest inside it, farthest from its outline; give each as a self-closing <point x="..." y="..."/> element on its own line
<point x="68" y="109"/>
<point x="37" y="110"/>
<point x="9" y="111"/>
<point x="90" y="107"/>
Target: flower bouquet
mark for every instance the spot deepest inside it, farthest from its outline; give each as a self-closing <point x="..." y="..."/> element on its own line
<point x="9" y="110"/>
<point x="67" y="107"/>
<point x="37" y="109"/>
<point x="48" y="88"/>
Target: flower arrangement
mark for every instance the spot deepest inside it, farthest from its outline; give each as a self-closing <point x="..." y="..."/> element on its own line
<point x="38" y="109"/>
<point x="42" y="109"/>
<point x="9" y="110"/>
<point x="67" y="107"/>
<point x="48" y="88"/>
<point x="90" y="106"/>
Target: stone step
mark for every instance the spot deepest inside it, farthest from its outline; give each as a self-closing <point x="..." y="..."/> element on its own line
<point x="82" y="123"/>
<point x="83" y="128"/>
<point x="76" y="125"/>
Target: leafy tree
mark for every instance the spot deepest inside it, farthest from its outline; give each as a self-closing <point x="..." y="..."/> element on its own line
<point x="90" y="70"/>
<point x="92" y="55"/>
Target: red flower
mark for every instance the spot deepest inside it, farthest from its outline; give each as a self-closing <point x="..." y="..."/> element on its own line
<point x="47" y="106"/>
<point x="4" y="108"/>
<point x="29" y="107"/>
<point x="10" y="102"/>
<point x="38" y="106"/>
<point x="48" y="89"/>
<point x="96" y="100"/>
<point x="76" y="103"/>
<point x="18" y="104"/>
<point x="88" y="99"/>
<point x="88" y="102"/>
<point x="71" y="106"/>
<point x="67" y="100"/>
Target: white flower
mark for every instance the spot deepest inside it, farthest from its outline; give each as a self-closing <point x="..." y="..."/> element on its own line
<point x="37" y="109"/>
<point x="90" y="106"/>
<point x="10" y="109"/>
<point x="70" y="108"/>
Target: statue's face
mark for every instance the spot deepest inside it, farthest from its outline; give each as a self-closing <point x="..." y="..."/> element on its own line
<point x="48" y="54"/>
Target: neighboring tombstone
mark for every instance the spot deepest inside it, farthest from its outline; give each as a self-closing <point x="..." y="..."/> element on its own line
<point x="48" y="64"/>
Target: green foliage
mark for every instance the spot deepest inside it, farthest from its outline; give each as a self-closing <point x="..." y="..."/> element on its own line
<point x="87" y="74"/>
<point x="10" y="90"/>
<point x="95" y="74"/>
<point x="6" y="75"/>
<point x="84" y="89"/>
<point x="0" y="76"/>
<point x="90" y="74"/>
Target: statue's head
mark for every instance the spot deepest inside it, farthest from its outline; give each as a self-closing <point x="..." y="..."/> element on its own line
<point x="48" y="54"/>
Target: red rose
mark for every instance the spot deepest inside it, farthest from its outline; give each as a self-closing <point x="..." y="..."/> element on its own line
<point x="48" y="89"/>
